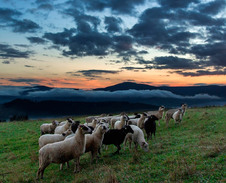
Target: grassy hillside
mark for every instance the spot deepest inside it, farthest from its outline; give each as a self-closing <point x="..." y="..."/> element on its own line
<point x="191" y="152"/>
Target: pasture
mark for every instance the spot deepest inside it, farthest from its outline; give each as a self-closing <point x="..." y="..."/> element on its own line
<point x="193" y="151"/>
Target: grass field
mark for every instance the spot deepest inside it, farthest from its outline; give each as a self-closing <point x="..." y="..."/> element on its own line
<point x="193" y="151"/>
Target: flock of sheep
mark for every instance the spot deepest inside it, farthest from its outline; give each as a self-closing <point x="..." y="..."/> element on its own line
<point x="61" y="142"/>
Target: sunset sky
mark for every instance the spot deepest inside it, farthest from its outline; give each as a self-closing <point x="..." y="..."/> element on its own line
<point x="96" y="43"/>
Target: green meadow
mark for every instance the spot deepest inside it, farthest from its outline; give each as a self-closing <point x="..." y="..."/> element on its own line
<point x="193" y="151"/>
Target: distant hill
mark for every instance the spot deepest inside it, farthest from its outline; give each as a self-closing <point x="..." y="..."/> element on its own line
<point x="127" y="86"/>
<point x="184" y="90"/>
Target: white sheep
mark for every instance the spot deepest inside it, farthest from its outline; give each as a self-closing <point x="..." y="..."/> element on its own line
<point x="119" y="124"/>
<point x="138" y="121"/>
<point x="94" y="141"/>
<point x="63" y="128"/>
<point x="137" y="138"/>
<point x="51" y="138"/>
<point x="177" y="116"/>
<point x="48" y="128"/>
<point x="169" y="113"/>
<point x="159" y="114"/>
<point x="93" y="123"/>
<point x="63" y="151"/>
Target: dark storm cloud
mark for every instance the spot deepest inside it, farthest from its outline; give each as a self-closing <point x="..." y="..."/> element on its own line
<point x="6" y="51"/>
<point x="215" y="53"/>
<point x="132" y="68"/>
<point x="29" y="66"/>
<point x="8" y="17"/>
<point x="170" y="62"/>
<point x="116" y="6"/>
<point x="45" y="6"/>
<point x="96" y="73"/>
<point x="202" y="73"/>
<point x="85" y="23"/>
<point x="36" y="40"/>
<point x="176" y="3"/>
<point x="123" y="43"/>
<point x="6" y="62"/>
<point x="25" y="25"/>
<point x="93" y="43"/>
<point x="113" y="24"/>
<point x="25" y="80"/>
<point x="213" y="7"/>
<point x="60" y="38"/>
<point x="8" y="14"/>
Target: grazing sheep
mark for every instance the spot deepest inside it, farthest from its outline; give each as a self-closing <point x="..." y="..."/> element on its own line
<point x="119" y="124"/>
<point x="51" y="138"/>
<point x="63" y="128"/>
<point x="138" y="121"/>
<point x="116" y="137"/>
<point x="159" y="114"/>
<point x="150" y="126"/>
<point x="63" y="151"/>
<point x="137" y="137"/>
<point x="169" y="113"/>
<point x="48" y="128"/>
<point x="94" y="141"/>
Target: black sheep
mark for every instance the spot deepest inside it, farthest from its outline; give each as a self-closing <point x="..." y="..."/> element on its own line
<point x="74" y="126"/>
<point x="116" y="137"/>
<point x="150" y="126"/>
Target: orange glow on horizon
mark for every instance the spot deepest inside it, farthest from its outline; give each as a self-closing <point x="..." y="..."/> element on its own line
<point x="173" y="80"/>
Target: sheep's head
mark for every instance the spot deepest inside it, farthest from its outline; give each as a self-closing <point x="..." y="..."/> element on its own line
<point x="103" y="128"/>
<point x="127" y="129"/>
<point x="70" y="120"/>
<point x="144" y="146"/>
<point x="184" y="106"/>
<point x="137" y="115"/>
<point x="55" y="123"/>
<point x="85" y="129"/>
<point x="180" y="111"/>
<point x="74" y="126"/>
<point x="68" y="132"/>
<point x="161" y="108"/>
<point x="153" y="118"/>
<point x="95" y="121"/>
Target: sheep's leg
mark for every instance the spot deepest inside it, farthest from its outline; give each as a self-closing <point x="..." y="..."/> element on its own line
<point x="118" y="149"/>
<point x="68" y="164"/>
<point x="61" y="166"/>
<point x="41" y="170"/>
<point x="125" y="143"/>
<point x="77" y="168"/>
<point x="99" y="151"/>
<point x="167" y="122"/>
<point x="135" y="146"/>
<point x="130" y="144"/>
<point x="148" y="136"/>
